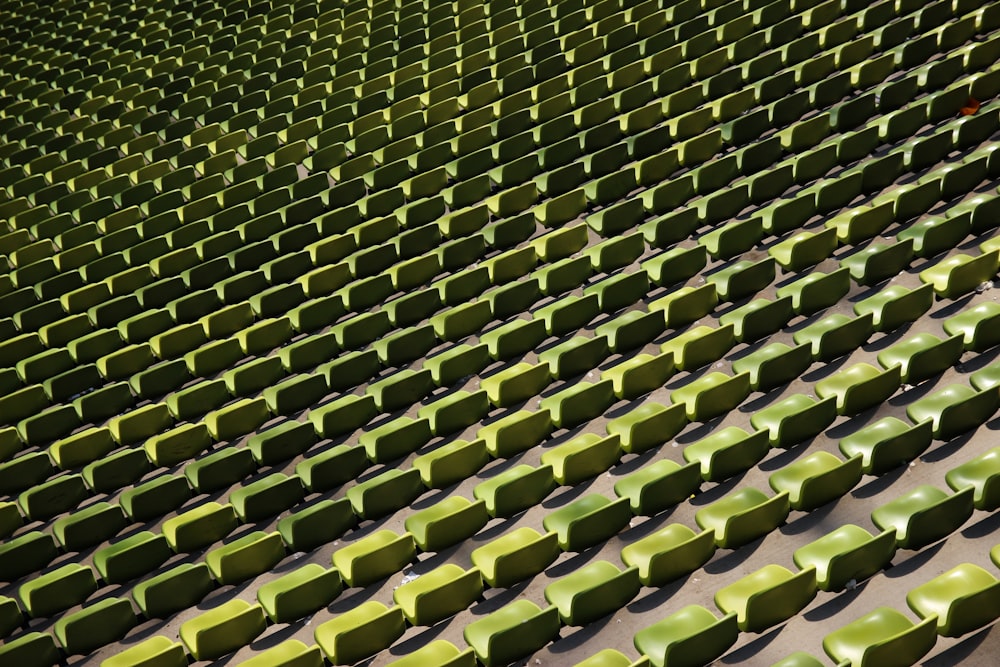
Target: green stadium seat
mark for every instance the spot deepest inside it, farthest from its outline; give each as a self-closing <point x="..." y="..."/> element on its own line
<point x="727" y="452"/>
<point x="924" y="515"/>
<point x="587" y="521"/>
<point x="962" y="600"/>
<point x="692" y="635"/>
<point x="922" y="356"/>
<point x="953" y="410"/>
<point x="299" y="593"/>
<point x="374" y="557"/>
<point x="157" y="651"/>
<point x="360" y="632"/>
<point x="881" y="633"/>
<point x="767" y="597"/>
<point x="438" y="594"/>
<point x="592" y="592"/>
<point x="743" y="516"/>
<point x="512" y="632"/>
<point x="95" y="626"/>
<point x="222" y="630"/>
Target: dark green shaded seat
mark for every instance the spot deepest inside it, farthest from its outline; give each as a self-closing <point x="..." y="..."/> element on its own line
<point x="94" y="626"/>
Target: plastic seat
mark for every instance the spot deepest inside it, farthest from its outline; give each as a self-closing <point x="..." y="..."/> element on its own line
<point x="743" y="516"/>
<point x="978" y="326"/>
<point x="57" y="590"/>
<point x="982" y="474"/>
<point x="401" y="389"/>
<point x="223" y="629"/>
<point x="675" y="265"/>
<point x="438" y="594"/>
<point x="817" y="479"/>
<point x="933" y="235"/>
<point x="817" y="291"/>
<point x="669" y="554"/>
<point x="879" y="637"/>
<point x="514" y="338"/>
<point x="359" y="633"/>
<point x="700" y="346"/>
<point x="639" y="375"/>
<point x="924" y="515"/>
<point x="95" y="626"/>
<point x="280" y="443"/>
<point x="887" y="443"/>
<point x="157" y="651"/>
<point x="582" y="457"/>
<point x="608" y="657"/>
<point x="374" y="557"/>
<point x="859" y="387"/>
<point x="686" y="304"/>
<point x="385" y="493"/>
<point x="960" y="274"/>
<point x="50" y="498"/>
<point x="647" y="426"/>
<point x="922" y="356"/>
<point x="896" y="305"/>
<point x="799" y="659"/>
<point x="743" y="278"/>
<point x="587" y="521"/>
<point x="733" y="239"/>
<point x="769" y="596"/>
<point x="962" y="600"/>
<point x="575" y="356"/>
<point x="33" y="649"/>
<point x="132" y="557"/>
<point x="446" y="523"/>
<point x="861" y="224"/>
<point x="569" y="313"/>
<point x="438" y="652"/>
<point x="592" y="591"/>
<point x="579" y="403"/>
<point x="199" y="526"/>
<point x="451" y="463"/>
<point x="804" y="249"/>
<point x="879" y="261"/>
<point x="245" y="557"/>
<point x="759" y="318"/>
<point x="774" y="364"/>
<point x="342" y="415"/>
<point x="795" y="419"/>
<point x="712" y="395"/>
<point x="455" y="411"/>
<point x="631" y="330"/>
<point x="512" y="632"/>
<point x="299" y="593"/>
<point x="516" y="383"/>
<point x="954" y="410"/>
<point x="515" y="489"/>
<point x="517" y="555"/>
<point x="727" y="452"/>
<point x="846" y="555"/>
<point x="986" y="377"/>
<point x="691" y="636"/>
<point x="289" y="653"/>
